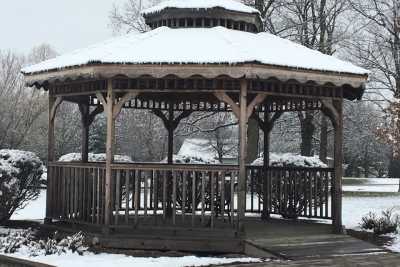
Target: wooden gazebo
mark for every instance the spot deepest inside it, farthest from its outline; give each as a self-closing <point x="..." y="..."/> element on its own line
<point x="209" y="56"/>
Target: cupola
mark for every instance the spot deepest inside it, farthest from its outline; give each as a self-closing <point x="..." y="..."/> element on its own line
<point x="204" y="14"/>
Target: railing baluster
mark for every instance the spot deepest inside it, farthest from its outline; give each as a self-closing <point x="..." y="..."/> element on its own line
<point x="232" y="204"/>
<point x="183" y="196"/>
<point x="146" y="188"/>
<point x="321" y="193"/>
<point x="155" y="175"/>
<point x="222" y="209"/>
<point x="193" y="198"/>
<point x="164" y="195"/>
<point x="98" y="195"/>
<point x="203" y="199"/>
<point x="251" y="190"/>
<point x="212" y="184"/>
<point x="137" y="195"/>
<point x="127" y="194"/>
<point x="117" y="194"/>
<point x="174" y="197"/>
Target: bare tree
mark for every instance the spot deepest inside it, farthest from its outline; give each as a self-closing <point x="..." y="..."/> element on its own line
<point x="20" y="106"/>
<point x="126" y="18"/>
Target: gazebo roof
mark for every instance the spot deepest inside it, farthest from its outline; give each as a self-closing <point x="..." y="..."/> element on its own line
<point x="201" y="4"/>
<point x="199" y="46"/>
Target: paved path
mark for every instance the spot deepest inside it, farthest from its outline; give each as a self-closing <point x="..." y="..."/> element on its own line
<point x="369" y="260"/>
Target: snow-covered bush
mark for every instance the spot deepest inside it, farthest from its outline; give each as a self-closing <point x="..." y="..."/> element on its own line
<point x="20" y="178"/>
<point x="77" y="157"/>
<point x="291" y="160"/>
<point x="385" y="224"/>
<point x="293" y="205"/>
<point x="186" y="159"/>
<point x="26" y="242"/>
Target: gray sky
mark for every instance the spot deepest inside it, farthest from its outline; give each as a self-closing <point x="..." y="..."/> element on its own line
<point x="64" y="24"/>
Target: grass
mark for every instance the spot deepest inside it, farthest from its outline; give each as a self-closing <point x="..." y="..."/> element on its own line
<point x="371" y="194"/>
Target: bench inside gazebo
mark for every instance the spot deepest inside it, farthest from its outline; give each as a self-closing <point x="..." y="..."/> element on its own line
<point x="197" y="57"/>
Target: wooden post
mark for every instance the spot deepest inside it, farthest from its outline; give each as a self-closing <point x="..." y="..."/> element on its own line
<point x="338" y="157"/>
<point x="53" y="105"/>
<point x="171" y="130"/>
<point x="85" y="109"/>
<point x="266" y="183"/>
<point x="109" y="152"/>
<point x="242" y="152"/>
<point x="87" y="119"/>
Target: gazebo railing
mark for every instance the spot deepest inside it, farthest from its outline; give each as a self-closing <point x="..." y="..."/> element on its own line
<point x="141" y="194"/>
<point x="290" y="191"/>
<point x="183" y="195"/>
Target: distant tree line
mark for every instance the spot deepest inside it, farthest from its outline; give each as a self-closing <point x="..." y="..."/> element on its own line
<point x="362" y="31"/>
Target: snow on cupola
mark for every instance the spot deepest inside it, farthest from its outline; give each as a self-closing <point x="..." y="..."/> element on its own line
<point x="204" y="14"/>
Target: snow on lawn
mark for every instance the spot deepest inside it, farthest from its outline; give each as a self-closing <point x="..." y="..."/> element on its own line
<point x="35" y="210"/>
<point x="106" y="260"/>
<point x="370" y="185"/>
<point x="355" y="207"/>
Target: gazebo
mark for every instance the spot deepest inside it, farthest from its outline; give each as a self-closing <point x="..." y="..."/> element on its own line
<point x="199" y="56"/>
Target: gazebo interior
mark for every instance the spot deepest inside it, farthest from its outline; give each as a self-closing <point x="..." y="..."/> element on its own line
<point x="149" y="201"/>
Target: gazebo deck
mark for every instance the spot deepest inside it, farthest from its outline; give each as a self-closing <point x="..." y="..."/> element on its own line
<point x="285" y="239"/>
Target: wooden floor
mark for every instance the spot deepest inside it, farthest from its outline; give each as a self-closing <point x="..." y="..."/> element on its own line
<point x="277" y="238"/>
<point x="299" y="240"/>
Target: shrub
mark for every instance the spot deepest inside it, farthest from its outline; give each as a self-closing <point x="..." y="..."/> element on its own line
<point x="385" y="224"/>
<point x="26" y="241"/>
<point x="20" y="178"/>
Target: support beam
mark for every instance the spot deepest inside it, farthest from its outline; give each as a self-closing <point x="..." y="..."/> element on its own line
<point x="256" y="101"/>
<point x="53" y="105"/>
<point x="223" y="97"/>
<point x="84" y="110"/>
<point x="125" y="98"/>
<point x="266" y="125"/>
<point x="334" y="110"/>
<point x="109" y="108"/>
<point x="242" y="152"/>
<point x="338" y="157"/>
<point x="112" y="110"/>
<point x="170" y="123"/>
<point x="87" y="118"/>
<point x="266" y="182"/>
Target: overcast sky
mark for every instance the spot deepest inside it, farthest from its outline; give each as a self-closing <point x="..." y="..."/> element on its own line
<point x="64" y="24"/>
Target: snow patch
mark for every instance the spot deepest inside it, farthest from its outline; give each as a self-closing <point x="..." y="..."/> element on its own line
<point x="77" y="157"/>
<point x="291" y="160"/>
<point x="187" y="159"/>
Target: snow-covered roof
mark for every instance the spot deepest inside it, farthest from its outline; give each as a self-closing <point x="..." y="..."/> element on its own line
<point x="201" y="4"/>
<point x="217" y="45"/>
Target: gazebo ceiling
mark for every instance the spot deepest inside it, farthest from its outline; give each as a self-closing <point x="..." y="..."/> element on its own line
<point x="207" y="52"/>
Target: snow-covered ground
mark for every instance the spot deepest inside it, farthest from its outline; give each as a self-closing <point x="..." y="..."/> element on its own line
<point x="355" y="206"/>
<point x="36" y="211"/>
<point x="108" y="260"/>
<point x="371" y="185"/>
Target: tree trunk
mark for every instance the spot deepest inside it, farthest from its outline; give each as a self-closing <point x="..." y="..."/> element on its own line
<point x="253" y="135"/>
